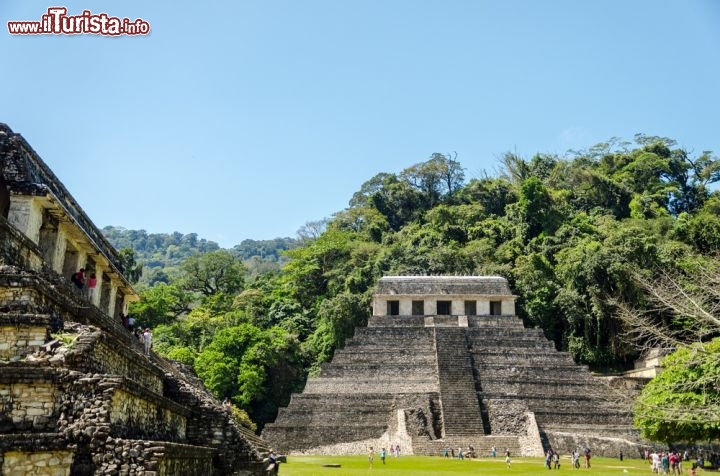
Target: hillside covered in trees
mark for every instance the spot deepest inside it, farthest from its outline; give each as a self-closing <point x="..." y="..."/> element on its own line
<point x="573" y="235"/>
<point x="161" y="254"/>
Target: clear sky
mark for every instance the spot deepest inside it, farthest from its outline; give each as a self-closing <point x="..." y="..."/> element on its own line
<point x="246" y="119"/>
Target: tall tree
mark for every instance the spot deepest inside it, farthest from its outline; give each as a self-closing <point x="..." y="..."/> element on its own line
<point x="213" y="272"/>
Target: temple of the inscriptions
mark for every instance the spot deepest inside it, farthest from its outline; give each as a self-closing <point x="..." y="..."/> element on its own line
<point x="77" y="394"/>
<point x="445" y="362"/>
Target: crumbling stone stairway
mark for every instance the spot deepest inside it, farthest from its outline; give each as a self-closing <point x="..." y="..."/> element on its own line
<point x="460" y="406"/>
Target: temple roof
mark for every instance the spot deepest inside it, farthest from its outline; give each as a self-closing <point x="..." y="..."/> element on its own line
<point x="443" y="285"/>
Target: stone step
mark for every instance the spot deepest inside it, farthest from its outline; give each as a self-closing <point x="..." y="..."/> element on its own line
<point x="345" y="385"/>
<point x="387" y="358"/>
<point x="477" y="335"/>
<point x="299" y="438"/>
<point x="482" y="444"/>
<point x="369" y="370"/>
<point x="308" y="400"/>
<point x="509" y="356"/>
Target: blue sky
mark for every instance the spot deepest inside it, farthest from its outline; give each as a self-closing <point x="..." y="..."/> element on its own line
<point x="246" y="119"/>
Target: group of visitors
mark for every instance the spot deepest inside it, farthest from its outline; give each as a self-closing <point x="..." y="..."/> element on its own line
<point x="470" y="453"/>
<point x="460" y="454"/>
<point x="552" y="459"/>
<point x="667" y="462"/>
<point x="394" y="451"/>
<point x="85" y="285"/>
<point x="144" y="336"/>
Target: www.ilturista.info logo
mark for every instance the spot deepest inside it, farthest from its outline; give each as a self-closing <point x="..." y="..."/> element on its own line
<point x="58" y="22"/>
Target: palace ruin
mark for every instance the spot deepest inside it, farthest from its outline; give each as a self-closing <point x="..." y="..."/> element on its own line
<point x="77" y="395"/>
<point x="445" y="362"/>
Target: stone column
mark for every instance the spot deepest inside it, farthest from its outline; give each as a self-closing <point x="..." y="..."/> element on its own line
<point x="25" y="214"/>
<point x="483" y="307"/>
<point x="405" y="307"/>
<point x="58" y="260"/>
<point x="457" y="307"/>
<point x="82" y="262"/>
<point x="99" y="273"/>
<point x="508" y="307"/>
<point x="113" y="294"/>
<point x="48" y="242"/>
<point x="430" y="307"/>
<point x="379" y="307"/>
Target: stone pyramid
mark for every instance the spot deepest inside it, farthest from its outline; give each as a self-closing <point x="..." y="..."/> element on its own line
<point x="445" y="362"/>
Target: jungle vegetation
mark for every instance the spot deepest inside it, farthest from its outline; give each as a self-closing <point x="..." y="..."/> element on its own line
<point x="579" y="237"/>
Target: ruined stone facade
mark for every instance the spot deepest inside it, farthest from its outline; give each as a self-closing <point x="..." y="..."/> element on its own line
<point x="444" y="361"/>
<point x="77" y="394"/>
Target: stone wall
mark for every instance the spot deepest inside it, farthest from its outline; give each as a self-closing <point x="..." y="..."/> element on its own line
<point x="26" y="407"/>
<point x="17" y="342"/>
<point x="36" y="463"/>
<point x="116" y="361"/>
<point x="140" y="416"/>
<point x="17" y="248"/>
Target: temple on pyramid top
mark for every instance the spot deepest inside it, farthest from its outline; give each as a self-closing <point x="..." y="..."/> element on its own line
<point x="443" y="296"/>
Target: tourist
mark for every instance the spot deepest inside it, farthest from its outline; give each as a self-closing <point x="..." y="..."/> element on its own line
<point x="382" y="455"/>
<point x="588" y="455"/>
<point x="655" y="465"/>
<point x="392" y="450"/>
<point x="461" y="456"/>
<point x="556" y="460"/>
<point x="548" y="458"/>
<point x="576" y="459"/>
<point x="131" y="322"/>
<point x="493" y="452"/>
<point x="397" y="451"/>
<point x="446" y="452"/>
<point x="227" y="405"/>
<point x="621" y="455"/>
<point x="274" y="464"/>
<point x="507" y="457"/>
<point x="674" y="462"/>
<point x="91" y="284"/>
<point x="147" y="340"/>
<point x="78" y="278"/>
<point x="371" y="455"/>
<point x="693" y="469"/>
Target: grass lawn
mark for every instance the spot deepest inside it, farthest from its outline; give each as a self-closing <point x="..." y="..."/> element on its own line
<point x="437" y="466"/>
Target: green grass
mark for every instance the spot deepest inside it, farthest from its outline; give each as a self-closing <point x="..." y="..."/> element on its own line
<point x="436" y="466"/>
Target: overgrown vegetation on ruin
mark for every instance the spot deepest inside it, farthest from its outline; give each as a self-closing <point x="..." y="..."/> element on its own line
<point x="575" y="236"/>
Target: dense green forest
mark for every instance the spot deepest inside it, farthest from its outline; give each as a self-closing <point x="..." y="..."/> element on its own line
<point x="161" y="254"/>
<point x="574" y="235"/>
